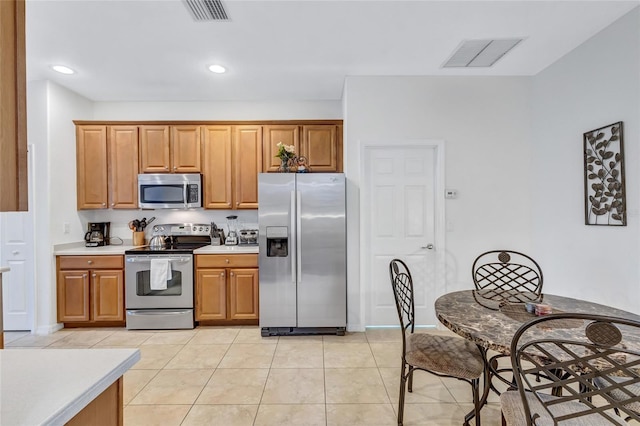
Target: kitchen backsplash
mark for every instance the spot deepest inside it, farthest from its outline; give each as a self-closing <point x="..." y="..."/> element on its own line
<point x="247" y="219"/>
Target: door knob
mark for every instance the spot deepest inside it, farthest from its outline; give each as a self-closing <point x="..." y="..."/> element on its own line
<point x="428" y="247"/>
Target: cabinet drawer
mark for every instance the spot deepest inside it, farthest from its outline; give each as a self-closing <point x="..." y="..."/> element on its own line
<point x="91" y="262"/>
<point x="227" y="261"/>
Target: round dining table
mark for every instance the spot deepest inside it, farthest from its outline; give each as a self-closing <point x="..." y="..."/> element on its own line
<point x="465" y="313"/>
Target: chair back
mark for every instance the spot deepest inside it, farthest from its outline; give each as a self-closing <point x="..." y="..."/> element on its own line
<point x="402" y="285"/>
<point x="507" y="276"/>
<point x="556" y="359"/>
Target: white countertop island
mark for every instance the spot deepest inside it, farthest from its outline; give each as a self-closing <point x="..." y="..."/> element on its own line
<point x="51" y="386"/>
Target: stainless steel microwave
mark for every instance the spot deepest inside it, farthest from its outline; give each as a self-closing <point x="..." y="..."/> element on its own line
<point x="169" y="191"/>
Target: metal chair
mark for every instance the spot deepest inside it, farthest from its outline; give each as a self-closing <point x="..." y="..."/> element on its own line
<point x="444" y="356"/>
<point x="571" y="352"/>
<point x="506" y="276"/>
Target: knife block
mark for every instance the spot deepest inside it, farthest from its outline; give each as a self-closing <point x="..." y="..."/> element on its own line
<point x="138" y="238"/>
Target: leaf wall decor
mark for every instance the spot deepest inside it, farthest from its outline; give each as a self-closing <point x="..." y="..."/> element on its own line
<point x="604" y="189"/>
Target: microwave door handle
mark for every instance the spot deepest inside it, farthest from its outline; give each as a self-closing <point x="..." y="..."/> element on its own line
<point x="186" y="195"/>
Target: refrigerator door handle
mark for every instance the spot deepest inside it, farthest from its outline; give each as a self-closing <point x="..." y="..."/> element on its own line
<point x="299" y="236"/>
<point x="293" y="232"/>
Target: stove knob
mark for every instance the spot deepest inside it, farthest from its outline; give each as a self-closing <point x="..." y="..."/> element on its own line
<point x="195" y="228"/>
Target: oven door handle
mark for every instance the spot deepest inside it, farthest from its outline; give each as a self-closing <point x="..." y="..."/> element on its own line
<point x="148" y="259"/>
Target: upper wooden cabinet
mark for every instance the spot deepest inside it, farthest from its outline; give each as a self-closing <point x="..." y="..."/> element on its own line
<point x="123" y="167"/>
<point x="107" y="167"/>
<point x="91" y="156"/>
<point x="13" y="107"/>
<point x="320" y="146"/>
<point x="155" y="151"/>
<point x="247" y="161"/>
<point x="170" y="149"/>
<point x="217" y="167"/>
<point x="185" y="149"/>
<point x="229" y="155"/>
<point x="319" y="143"/>
<point x="288" y="134"/>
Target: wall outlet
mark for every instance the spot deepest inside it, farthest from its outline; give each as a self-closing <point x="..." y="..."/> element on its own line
<point x="66" y="227"/>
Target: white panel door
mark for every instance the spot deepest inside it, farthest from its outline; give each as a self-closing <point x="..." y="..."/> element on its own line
<point x="400" y="198"/>
<point x="16" y="252"/>
<point x="17" y="282"/>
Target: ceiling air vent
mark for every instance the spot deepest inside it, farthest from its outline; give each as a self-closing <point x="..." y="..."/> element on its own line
<point x="207" y="10"/>
<point x="480" y="53"/>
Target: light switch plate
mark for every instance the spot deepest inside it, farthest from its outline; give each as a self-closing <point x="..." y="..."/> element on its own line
<point x="450" y="193"/>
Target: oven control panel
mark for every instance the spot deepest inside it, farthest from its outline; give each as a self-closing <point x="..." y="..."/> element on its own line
<point x="176" y="229"/>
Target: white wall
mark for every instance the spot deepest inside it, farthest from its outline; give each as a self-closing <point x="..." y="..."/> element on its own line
<point x="485" y="124"/>
<point x="595" y="85"/>
<point x="51" y="109"/>
<point x="218" y="110"/>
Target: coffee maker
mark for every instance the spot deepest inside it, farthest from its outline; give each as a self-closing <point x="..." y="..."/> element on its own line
<point x="97" y="235"/>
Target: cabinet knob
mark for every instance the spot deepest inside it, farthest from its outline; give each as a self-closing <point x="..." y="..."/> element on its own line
<point x="89" y="262"/>
<point x="104" y="204"/>
<point x="15" y="252"/>
<point x="226" y="260"/>
<point x="93" y="275"/>
<point x="113" y="204"/>
<point x="84" y="275"/>
<point x="166" y="167"/>
<point x="175" y="168"/>
<point x="231" y="274"/>
<point x="237" y="203"/>
<point x="222" y="275"/>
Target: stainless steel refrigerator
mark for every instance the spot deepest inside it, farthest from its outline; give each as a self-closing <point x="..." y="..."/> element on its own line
<point x="303" y="279"/>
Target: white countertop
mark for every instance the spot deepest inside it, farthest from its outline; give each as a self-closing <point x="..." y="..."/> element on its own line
<point x="80" y="250"/>
<point x="51" y="386"/>
<point x="226" y="250"/>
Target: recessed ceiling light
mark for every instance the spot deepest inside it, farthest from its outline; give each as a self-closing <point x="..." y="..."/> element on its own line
<point x="218" y="69"/>
<point x="62" y="69"/>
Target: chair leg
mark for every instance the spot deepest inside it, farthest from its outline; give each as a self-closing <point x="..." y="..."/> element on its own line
<point x="403" y="386"/>
<point x="475" y="390"/>
<point x="410" y="379"/>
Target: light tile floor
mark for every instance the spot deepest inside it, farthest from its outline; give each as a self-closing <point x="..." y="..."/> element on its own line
<point x="232" y="376"/>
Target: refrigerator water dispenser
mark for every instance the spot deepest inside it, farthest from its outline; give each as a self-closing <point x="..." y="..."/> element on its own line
<point x="277" y="241"/>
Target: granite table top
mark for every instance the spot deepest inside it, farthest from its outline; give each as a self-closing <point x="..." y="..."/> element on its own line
<point x="494" y="328"/>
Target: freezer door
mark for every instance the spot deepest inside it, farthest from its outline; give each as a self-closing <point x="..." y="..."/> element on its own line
<point x="276" y="222"/>
<point x="321" y="255"/>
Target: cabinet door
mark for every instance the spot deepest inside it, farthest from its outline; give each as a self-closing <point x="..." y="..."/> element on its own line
<point x="91" y="155"/>
<point x="247" y="163"/>
<point x="243" y="293"/>
<point x="216" y="167"/>
<point x="123" y="167"/>
<point x="211" y="294"/>
<point x="154" y="149"/>
<point x="320" y="146"/>
<point x="73" y="296"/>
<point x="185" y="149"/>
<point x="288" y="134"/>
<point x="107" y="295"/>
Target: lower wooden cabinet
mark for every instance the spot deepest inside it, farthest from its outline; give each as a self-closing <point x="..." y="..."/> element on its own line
<point x="90" y="289"/>
<point x="226" y="287"/>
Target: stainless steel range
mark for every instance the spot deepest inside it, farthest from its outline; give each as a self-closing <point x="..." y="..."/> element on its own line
<point x="159" y="282"/>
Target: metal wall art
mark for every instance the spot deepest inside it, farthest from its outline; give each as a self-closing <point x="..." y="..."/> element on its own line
<point x="604" y="190"/>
